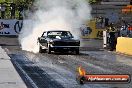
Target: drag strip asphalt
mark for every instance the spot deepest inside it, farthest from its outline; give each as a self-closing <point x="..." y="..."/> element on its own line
<point x="60" y="70"/>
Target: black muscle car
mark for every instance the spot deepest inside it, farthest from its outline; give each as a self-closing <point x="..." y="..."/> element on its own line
<point x="58" y="41"/>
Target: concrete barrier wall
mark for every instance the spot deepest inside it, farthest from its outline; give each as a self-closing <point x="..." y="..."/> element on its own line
<point x="124" y="45"/>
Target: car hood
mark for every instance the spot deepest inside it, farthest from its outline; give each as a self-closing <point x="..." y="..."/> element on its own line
<point x="65" y="39"/>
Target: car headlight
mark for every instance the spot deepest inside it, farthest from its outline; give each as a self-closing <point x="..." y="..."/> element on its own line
<point x="51" y="42"/>
<point x="78" y="42"/>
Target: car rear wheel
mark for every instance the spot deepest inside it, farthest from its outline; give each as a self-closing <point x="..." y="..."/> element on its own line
<point x="40" y="49"/>
<point x="49" y="50"/>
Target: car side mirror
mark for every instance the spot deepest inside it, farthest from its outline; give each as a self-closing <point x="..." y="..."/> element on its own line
<point x="43" y="36"/>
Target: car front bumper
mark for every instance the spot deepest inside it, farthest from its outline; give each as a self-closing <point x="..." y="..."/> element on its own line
<point x="64" y="46"/>
<point x="69" y="48"/>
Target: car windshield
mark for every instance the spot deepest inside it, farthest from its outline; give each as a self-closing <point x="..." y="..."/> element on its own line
<point x="61" y="34"/>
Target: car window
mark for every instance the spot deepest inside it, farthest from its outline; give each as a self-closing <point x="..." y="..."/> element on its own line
<point x="53" y="34"/>
<point x="44" y="34"/>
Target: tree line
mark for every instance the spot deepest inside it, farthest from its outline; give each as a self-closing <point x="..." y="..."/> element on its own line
<point x="13" y="9"/>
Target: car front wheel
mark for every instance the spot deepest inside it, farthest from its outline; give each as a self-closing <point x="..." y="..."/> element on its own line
<point x="49" y="50"/>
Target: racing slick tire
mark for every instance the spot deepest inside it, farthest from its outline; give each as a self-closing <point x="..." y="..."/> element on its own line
<point x="49" y="50"/>
<point x="40" y="49"/>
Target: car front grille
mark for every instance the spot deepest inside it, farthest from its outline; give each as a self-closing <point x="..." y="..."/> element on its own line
<point x="61" y="43"/>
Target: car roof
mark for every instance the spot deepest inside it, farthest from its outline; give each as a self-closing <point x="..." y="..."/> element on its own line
<point x="56" y="31"/>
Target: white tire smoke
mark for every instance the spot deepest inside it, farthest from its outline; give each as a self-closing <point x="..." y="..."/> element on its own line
<point x="53" y="15"/>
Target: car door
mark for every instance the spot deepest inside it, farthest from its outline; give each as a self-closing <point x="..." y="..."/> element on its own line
<point x="43" y="40"/>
